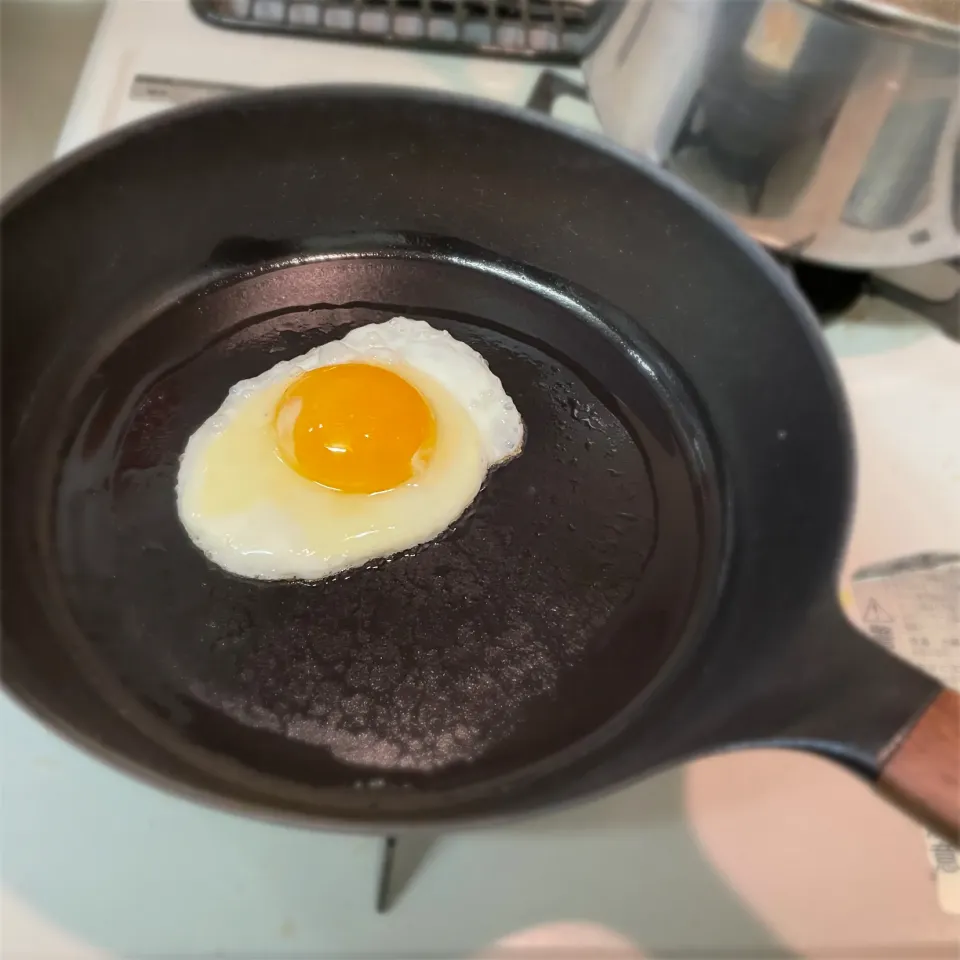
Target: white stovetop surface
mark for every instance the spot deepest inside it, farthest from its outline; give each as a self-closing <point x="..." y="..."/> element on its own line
<point x="756" y="854"/>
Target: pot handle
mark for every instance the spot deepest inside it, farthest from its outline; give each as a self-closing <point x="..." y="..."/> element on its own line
<point x="920" y="772"/>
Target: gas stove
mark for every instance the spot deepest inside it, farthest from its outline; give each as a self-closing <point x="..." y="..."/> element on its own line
<point x="752" y="854"/>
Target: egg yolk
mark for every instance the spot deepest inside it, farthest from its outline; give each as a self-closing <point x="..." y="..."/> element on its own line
<point x="354" y="427"/>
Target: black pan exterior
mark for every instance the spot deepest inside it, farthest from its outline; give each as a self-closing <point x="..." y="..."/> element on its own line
<point x="123" y="233"/>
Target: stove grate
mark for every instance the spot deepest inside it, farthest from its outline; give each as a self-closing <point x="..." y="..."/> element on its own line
<point x="549" y="31"/>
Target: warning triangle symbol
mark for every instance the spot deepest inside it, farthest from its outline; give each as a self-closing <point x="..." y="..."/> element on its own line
<point x="874" y="613"/>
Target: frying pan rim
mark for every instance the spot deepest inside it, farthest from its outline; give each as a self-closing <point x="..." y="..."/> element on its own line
<point x="759" y="259"/>
<point x="116" y="762"/>
<point x="171" y="117"/>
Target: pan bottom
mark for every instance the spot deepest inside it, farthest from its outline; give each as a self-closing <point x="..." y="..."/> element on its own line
<point x="523" y="628"/>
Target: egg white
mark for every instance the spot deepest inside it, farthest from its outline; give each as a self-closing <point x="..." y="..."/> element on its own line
<point x="252" y="514"/>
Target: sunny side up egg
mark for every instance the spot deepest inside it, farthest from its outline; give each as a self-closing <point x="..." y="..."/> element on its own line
<point x="360" y="449"/>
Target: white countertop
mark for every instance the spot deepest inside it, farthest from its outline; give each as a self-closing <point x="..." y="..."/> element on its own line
<point x="759" y="855"/>
<point x="43" y="45"/>
<point x="754" y="854"/>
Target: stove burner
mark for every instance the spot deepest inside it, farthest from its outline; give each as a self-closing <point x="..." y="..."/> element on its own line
<point x="830" y="291"/>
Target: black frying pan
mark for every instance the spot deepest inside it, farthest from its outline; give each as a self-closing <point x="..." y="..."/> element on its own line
<point x="652" y="579"/>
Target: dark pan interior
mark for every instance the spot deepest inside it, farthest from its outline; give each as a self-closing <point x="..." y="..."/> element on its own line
<point x="539" y="616"/>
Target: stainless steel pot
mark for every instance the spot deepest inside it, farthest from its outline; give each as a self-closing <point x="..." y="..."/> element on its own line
<point x="826" y="128"/>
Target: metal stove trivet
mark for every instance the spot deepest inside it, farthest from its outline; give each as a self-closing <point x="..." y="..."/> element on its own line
<point x="551" y="31"/>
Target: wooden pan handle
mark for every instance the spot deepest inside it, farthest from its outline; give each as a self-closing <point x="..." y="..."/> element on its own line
<point x="921" y="772"/>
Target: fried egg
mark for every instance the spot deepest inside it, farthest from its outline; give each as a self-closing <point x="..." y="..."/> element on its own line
<point x="360" y="449"/>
